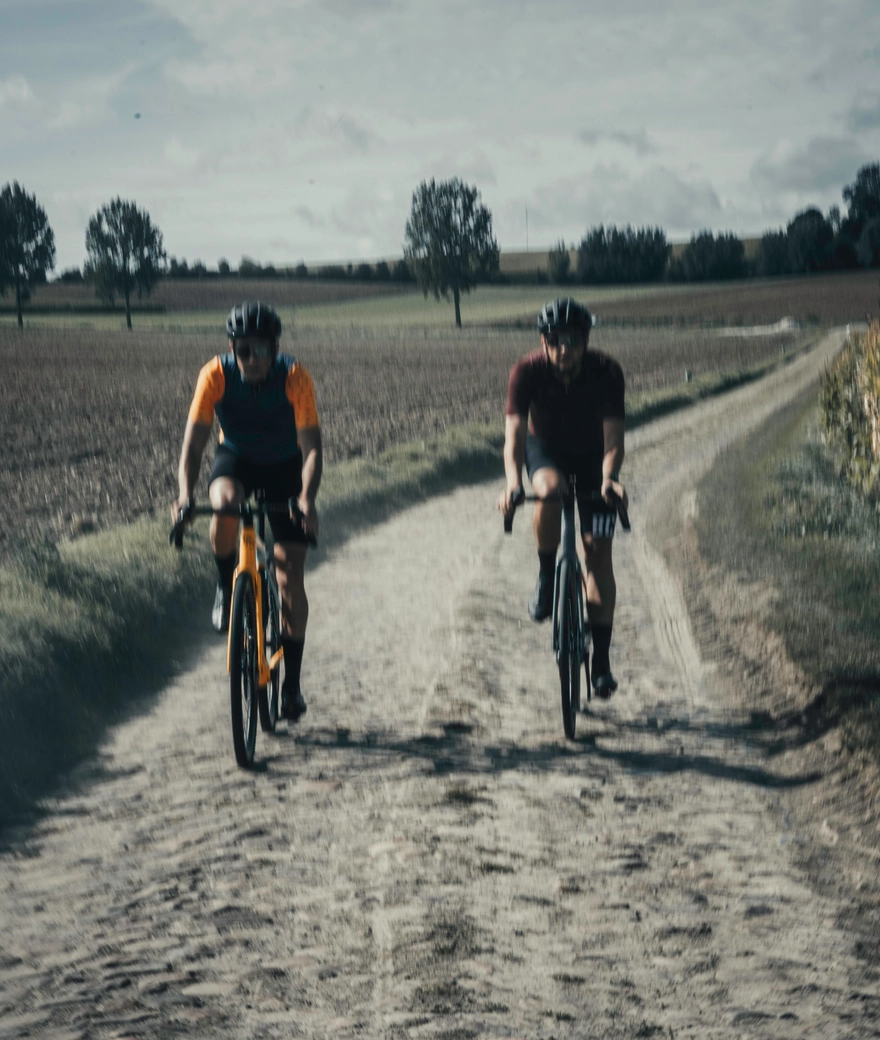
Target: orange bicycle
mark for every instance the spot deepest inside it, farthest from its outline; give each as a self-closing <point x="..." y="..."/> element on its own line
<point x="254" y="651"/>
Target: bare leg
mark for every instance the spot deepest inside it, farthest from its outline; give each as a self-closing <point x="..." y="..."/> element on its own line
<point x="601" y="585"/>
<point x="547" y="518"/>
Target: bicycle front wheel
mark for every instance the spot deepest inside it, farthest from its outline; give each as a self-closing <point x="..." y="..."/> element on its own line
<point x="569" y="654"/>
<point x="243" y="671"/>
<point x="270" y="695"/>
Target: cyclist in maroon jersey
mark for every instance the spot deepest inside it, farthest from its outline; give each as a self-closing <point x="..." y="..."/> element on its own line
<point x="566" y="415"/>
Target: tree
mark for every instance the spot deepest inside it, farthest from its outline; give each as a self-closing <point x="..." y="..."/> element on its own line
<point x="810" y="240"/>
<point x="449" y="240"/>
<point x="707" y="258"/>
<point x="559" y="263"/>
<point x="868" y="249"/>
<point x="622" y="255"/>
<point x="249" y="268"/>
<point x="223" y="268"/>
<point x="401" y="272"/>
<point x="124" y="252"/>
<point x="27" y="244"/>
<point x="772" y="258"/>
<point x="863" y="198"/>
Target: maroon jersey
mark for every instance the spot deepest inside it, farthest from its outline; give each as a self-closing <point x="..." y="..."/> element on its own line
<point x="567" y="419"/>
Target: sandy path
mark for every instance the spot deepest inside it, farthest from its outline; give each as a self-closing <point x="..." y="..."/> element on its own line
<point x="426" y="856"/>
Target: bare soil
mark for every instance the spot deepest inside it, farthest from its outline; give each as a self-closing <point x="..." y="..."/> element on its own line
<point x="424" y="855"/>
<point x="91" y="421"/>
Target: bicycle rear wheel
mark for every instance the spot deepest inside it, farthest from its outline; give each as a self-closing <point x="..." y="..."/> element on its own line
<point x="243" y="671"/>
<point x="569" y="654"/>
<point x="270" y="695"/>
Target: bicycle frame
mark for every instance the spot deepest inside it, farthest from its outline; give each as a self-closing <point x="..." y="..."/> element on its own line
<point x="252" y="560"/>
<point x="570" y="626"/>
<point x="568" y="551"/>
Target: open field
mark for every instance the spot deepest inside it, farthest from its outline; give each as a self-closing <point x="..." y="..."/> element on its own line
<point x="202" y="305"/>
<point x="91" y="420"/>
<point x="216" y="294"/>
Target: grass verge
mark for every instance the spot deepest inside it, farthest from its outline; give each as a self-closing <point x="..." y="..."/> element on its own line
<point x="91" y="629"/>
<point x="790" y="521"/>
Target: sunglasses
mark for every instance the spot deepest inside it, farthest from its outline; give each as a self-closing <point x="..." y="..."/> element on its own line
<point x="554" y="339"/>
<point x="259" y="351"/>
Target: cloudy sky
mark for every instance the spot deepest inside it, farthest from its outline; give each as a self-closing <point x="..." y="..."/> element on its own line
<point x="297" y="129"/>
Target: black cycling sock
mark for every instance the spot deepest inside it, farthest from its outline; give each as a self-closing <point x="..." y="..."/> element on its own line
<point x="601" y="646"/>
<point x="225" y="569"/>
<point x="293" y="656"/>
<point x="547" y="561"/>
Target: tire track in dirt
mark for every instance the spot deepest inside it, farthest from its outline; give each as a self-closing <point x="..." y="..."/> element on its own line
<point x="426" y="855"/>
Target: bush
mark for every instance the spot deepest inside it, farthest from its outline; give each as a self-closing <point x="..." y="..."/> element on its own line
<point x="849" y="407"/>
<point x="622" y="255"/>
<point x="707" y="258"/>
<point x="559" y="263"/>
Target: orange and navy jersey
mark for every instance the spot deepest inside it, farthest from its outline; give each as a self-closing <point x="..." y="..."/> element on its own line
<point x="258" y="423"/>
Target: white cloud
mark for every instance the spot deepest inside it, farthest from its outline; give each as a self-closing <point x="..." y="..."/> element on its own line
<point x="15" y="91"/>
<point x="638" y="141"/>
<point x="865" y="112"/>
<point x="820" y="165"/>
<point x="611" y="195"/>
<point x="87" y="101"/>
<point x="180" y="156"/>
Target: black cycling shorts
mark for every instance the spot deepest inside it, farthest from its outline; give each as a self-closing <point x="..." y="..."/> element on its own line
<point x="279" y="481"/>
<point x="596" y="516"/>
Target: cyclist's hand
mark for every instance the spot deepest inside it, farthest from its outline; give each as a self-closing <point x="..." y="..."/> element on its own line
<point x="181" y="511"/>
<point x="308" y="516"/>
<point x="613" y="492"/>
<point x="509" y="499"/>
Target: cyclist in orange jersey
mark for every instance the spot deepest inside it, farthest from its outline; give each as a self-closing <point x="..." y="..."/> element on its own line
<point x="270" y="440"/>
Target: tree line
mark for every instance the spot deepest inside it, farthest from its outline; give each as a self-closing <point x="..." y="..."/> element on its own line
<point x="449" y="248"/>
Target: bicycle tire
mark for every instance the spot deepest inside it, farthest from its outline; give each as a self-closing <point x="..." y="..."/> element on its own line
<point x="569" y="656"/>
<point x="270" y="695"/>
<point x="243" y="671"/>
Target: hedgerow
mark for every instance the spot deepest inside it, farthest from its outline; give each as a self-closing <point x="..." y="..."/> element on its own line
<point x="850" y="409"/>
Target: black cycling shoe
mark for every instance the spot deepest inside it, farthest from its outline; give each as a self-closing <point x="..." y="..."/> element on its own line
<point x="220" y="613"/>
<point x="541" y="600"/>
<point x="293" y="704"/>
<point x="604" y="685"/>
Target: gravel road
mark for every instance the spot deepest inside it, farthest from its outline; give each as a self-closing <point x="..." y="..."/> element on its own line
<point x="425" y="855"/>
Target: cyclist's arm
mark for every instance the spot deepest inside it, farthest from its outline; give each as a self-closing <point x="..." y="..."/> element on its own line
<point x="515" y="430"/>
<point x="613" y="430"/>
<point x="309" y="438"/>
<point x="195" y="440"/>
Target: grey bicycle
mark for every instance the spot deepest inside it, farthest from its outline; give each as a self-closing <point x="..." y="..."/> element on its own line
<point x="570" y="626"/>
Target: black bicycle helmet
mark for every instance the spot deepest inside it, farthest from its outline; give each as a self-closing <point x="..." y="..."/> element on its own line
<point x="565" y="313"/>
<point x="253" y="319"/>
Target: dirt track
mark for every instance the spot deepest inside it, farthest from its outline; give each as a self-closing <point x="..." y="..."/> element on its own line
<point x="426" y="856"/>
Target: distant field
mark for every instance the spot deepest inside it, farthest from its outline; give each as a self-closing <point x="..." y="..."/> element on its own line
<point x="92" y="419"/>
<point x="218" y="294"/>
<point x="202" y="305"/>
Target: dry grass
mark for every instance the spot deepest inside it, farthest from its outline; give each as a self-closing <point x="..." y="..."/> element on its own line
<point x="791" y="524"/>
